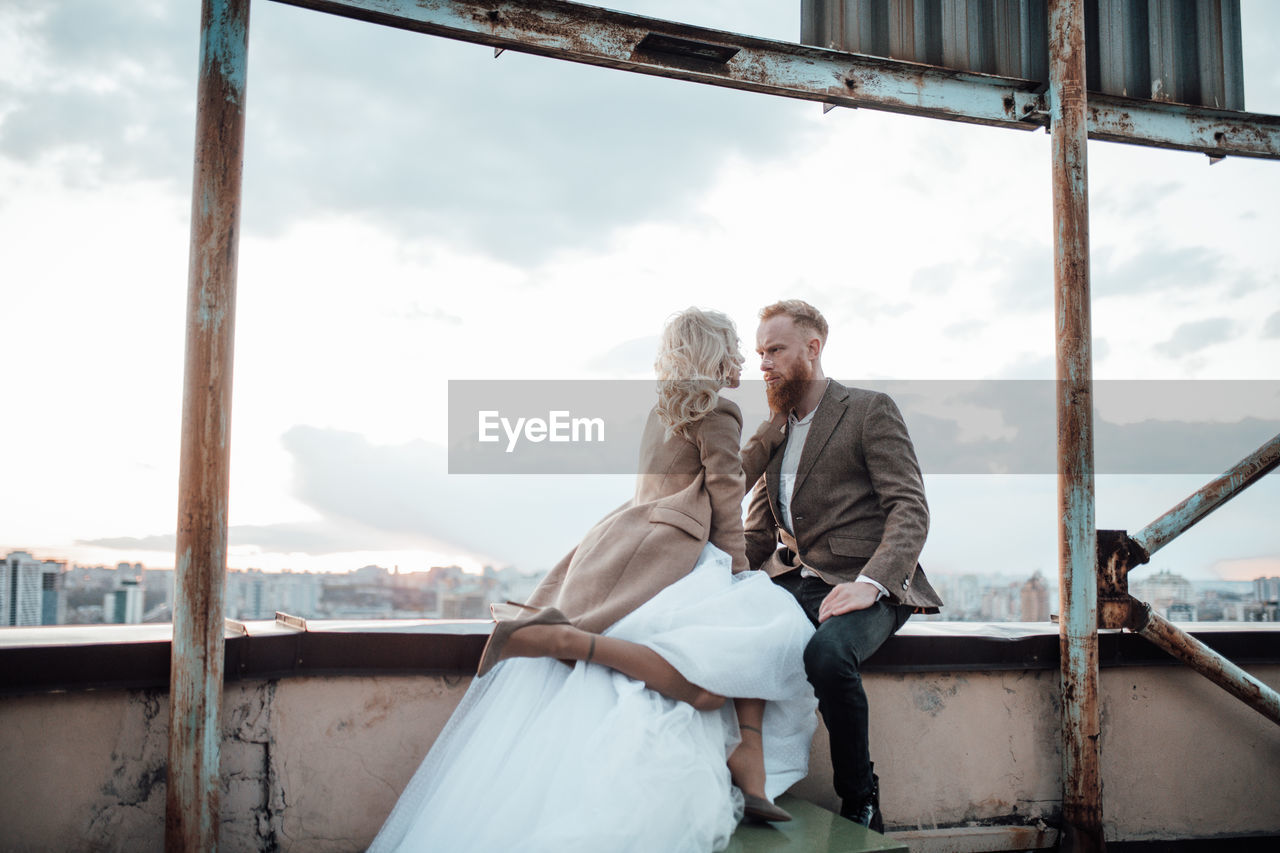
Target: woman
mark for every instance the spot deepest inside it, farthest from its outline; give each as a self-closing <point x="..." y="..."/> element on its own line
<point x="660" y="621"/>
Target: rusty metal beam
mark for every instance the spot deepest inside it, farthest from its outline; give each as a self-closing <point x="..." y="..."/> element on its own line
<point x="1232" y="482"/>
<point x="1077" y="544"/>
<point x="197" y="657"/>
<point x="1209" y="663"/>
<point x="595" y="36"/>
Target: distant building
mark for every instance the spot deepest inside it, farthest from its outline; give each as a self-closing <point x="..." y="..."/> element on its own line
<point x="968" y="603"/>
<point x="123" y="605"/>
<point x="297" y="593"/>
<point x="21" y="590"/>
<point x="255" y="594"/>
<point x="470" y="605"/>
<point x="999" y="603"/>
<point x="1035" y="599"/>
<point x="53" y="593"/>
<point x="1165" y="591"/>
<point x="158" y="584"/>
<point x="374" y="575"/>
<point x="1266" y="589"/>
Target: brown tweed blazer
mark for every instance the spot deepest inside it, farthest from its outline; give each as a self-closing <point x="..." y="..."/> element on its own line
<point x="858" y="503"/>
<point x="688" y="491"/>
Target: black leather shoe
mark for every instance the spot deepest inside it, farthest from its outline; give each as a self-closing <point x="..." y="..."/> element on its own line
<point x="866" y="811"/>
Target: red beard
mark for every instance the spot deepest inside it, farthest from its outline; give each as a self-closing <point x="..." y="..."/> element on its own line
<point x="785" y="395"/>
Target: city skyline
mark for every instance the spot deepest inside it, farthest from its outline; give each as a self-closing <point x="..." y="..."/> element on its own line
<point x="417" y="211"/>
<point x="131" y="593"/>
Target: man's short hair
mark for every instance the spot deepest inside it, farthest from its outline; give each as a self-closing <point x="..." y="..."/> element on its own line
<point x="801" y="313"/>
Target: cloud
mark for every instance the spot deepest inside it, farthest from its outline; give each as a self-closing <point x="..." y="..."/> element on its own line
<point x="157" y="542"/>
<point x="1010" y="426"/>
<point x="1193" y="337"/>
<point x="635" y="356"/>
<point x="964" y="330"/>
<point x="1134" y="200"/>
<point x="1024" y="275"/>
<point x="1160" y="268"/>
<point x="933" y="279"/>
<point x="1271" y="329"/>
<point x="511" y="157"/>
<point x="1028" y="365"/>
<point x="109" y="91"/>
<point x="318" y="537"/>
<point x="405" y="490"/>
<point x="435" y="314"/>
<point x="400" y="497"/>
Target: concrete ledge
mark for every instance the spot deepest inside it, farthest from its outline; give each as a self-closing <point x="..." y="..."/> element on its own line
<point x="964" y="758"/>
<point x="35" y="660"/>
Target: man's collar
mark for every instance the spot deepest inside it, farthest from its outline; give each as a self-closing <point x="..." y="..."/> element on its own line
<point x="792" y="420"/>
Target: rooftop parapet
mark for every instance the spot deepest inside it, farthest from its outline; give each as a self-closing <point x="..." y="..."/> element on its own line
<point x="323" y="727"/>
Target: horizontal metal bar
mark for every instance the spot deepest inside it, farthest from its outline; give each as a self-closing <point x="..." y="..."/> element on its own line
<point x="1212" y="665"/>
<point x="1218" y="133"/>
<point x="1234" y="480"/>
<point x="595" y="36"/>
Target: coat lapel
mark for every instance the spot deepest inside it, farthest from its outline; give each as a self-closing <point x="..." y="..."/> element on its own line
<point x="830" y="410"/>
<point x="772" y="475"/>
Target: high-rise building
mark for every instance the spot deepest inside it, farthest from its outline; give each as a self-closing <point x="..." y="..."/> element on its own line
<point x="21" y="590"/>
<point x="1035" y="599"/>
<point x="53" y="594"/>
<point x="123" y="605"/>
<point x="1266" y="589"/>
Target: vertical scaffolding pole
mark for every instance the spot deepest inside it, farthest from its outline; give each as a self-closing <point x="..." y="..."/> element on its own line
<point x="1077" y="542"/>
<point x="196" y="666"/>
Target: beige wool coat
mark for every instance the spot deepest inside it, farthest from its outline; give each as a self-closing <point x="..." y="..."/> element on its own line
<point x="689" y="491"/>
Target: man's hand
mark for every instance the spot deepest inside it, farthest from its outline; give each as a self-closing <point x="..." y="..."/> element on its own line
<point x="847" y="597"/>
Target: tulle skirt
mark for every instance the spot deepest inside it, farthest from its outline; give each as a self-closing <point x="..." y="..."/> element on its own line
<point x="541" y="757"/>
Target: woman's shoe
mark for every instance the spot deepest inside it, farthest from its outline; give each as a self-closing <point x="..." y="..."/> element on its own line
<point x="510" y="610"/>
<point x="504" y="629"/>
<point x="760" y="810"/>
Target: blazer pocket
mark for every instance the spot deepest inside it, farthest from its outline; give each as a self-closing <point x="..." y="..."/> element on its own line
<point x="853" y="546"/>
<point x="676" y="518"/>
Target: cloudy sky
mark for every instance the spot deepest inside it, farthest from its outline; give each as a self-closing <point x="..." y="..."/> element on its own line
<point x="417" y="211"/>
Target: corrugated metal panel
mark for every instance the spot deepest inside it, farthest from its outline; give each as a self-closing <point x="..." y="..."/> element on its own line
<point x="1185" y="51"/>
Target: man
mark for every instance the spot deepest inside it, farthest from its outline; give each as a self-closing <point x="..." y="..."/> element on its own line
<point x="838" y="519"/>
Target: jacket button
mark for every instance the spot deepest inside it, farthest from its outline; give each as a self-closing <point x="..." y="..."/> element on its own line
<point x="906" y="583"/>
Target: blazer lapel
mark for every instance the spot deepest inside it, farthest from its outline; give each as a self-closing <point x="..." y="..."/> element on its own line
<point x="830" y="410"/>
<point x="772" y="474"/>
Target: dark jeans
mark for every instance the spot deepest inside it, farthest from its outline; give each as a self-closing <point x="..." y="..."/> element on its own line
<point x="833" y="661"/>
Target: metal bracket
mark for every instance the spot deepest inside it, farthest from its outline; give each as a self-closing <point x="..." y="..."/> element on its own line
<point x="1117" y="555"/>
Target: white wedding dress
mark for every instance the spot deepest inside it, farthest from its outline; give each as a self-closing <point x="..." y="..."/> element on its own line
<point x="541" y="757"/>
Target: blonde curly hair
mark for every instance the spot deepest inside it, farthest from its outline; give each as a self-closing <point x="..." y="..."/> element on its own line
<point x="698" y="355"/>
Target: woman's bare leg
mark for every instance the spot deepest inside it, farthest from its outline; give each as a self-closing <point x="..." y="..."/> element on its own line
<point x="746" y="765"/>
<point x="631" y="659"/>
